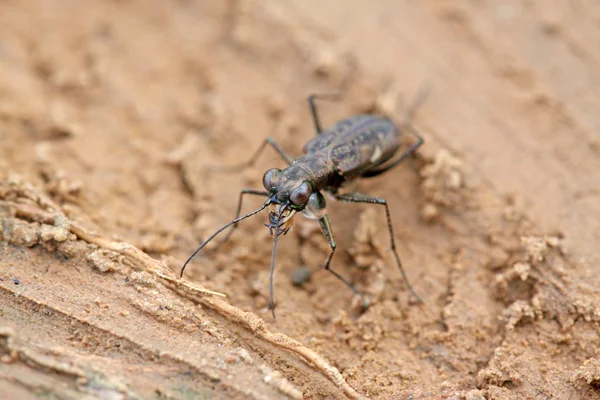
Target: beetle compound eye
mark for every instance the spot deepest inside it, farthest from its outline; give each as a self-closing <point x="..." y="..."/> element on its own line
<point x="301" y="194"/>
<point x="268" y="178"/>
<point x="315" y="208"/>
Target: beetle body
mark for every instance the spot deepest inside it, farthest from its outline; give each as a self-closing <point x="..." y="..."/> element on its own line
<point x="348" y="150"/>
<point x="360" y="146"/>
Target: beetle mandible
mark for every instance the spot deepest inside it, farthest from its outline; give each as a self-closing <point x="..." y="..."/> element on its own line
<point x="361" y="146"/>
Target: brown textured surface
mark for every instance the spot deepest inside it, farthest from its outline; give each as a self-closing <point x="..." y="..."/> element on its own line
<point x="112" y="114"/>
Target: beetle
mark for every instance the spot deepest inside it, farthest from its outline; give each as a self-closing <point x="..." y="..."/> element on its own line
<point x="361" y="146"/>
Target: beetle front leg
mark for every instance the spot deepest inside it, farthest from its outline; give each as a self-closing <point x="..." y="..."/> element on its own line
<point x="268" y="141"/>
<point x="326" y="228"/>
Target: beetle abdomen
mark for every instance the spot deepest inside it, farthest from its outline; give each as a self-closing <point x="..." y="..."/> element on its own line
<point x="357" y="144"/>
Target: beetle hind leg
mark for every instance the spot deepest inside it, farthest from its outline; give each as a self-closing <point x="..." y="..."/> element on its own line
<point x="411" y="110"/>
<point x="380" y="170"/>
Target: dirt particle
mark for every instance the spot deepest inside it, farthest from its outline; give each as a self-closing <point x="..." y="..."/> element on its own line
<point x="429" y="212"/>
<point x="72" y="249"/>
<point x="365" y="250"/>
<point x="503" y="375"/>
<point x="536" y="248"/>
<point x="498" y="258"/>
<point x="588" y="373"/>
<point x="554" y="242"/>
<point x="327" y="63"/>
<point x="142" y="278"/>
<point x="21" y="233"/>
<point x="522" y="269"/>
<point x="60" y="187"/>
<point x="507" y="282"/>
<point x="58" y="234"/>
<point x="239" y="355"/>
<point x="474" y="394"/>
<point x="101" y="260"/>
<point x="517" y="312"/>
<point x="443" y="179"/>
<point x="101" y="304"/>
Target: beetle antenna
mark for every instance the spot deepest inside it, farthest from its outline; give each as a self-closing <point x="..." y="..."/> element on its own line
<point x="219" y="231"/>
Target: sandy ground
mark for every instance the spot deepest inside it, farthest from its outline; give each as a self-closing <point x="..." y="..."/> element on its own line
<point x="114" y="114"/>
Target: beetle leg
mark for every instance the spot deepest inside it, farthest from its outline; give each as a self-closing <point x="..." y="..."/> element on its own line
<point x="411" y="110"/>
<point x="237" y="215"/>
<point x="268" y="141"/>
<point x="326" y="227"/>
<point x="378" y="171"/>
<point x="313" y="107"/>
<point x="363" y="198"/>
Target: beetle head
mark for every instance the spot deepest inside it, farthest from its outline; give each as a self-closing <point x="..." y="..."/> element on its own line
<point x="290" y="192"/>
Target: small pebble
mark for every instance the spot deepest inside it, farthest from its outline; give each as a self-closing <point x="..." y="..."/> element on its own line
<point x="301" y="275"/>
<point x="429" y="212"/>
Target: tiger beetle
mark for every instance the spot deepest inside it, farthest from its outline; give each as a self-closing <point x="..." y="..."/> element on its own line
<point x="361" y="146"/>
